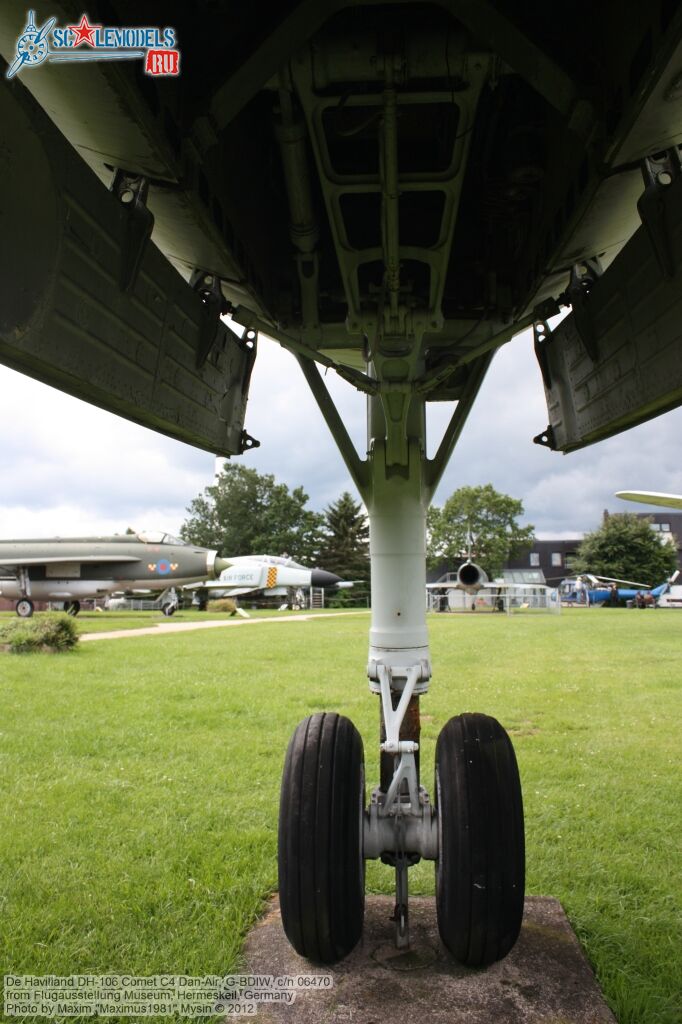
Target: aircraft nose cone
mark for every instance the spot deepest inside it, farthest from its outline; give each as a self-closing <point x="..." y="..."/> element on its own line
<point x="220" y="565"/>
<point x="322" y="578"/>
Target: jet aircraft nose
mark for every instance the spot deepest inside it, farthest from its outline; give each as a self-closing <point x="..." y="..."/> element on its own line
<point x="322" y="578"/>
<point x="220" y="565"/>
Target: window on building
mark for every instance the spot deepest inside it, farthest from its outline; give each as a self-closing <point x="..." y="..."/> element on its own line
<point x="534" y="558"/>
<point x="556" y="559"/>
<point x="665" y="527"/>
<point x="655" y="527"/>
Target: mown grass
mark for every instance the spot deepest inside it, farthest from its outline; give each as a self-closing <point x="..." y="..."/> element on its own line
<point x="105" y="622"/>
<point x="140" y="785"/>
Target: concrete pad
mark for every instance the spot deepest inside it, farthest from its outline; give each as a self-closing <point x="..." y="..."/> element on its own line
<point x="544" y="980"/>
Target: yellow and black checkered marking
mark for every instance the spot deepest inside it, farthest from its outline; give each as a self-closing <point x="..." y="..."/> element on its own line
<point x="272" y="577"/>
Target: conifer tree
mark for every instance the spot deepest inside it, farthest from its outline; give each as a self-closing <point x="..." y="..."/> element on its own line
<point x="345" y="546"/>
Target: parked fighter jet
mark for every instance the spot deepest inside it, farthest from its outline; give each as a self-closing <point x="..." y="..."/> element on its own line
<point x="501" y="594"/>
<point x="67" y="570"/>
<point x="262" y="572"/>
<point x="470" y="577"/>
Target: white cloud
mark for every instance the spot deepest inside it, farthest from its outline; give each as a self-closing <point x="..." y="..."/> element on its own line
<point x="67" y="467"/>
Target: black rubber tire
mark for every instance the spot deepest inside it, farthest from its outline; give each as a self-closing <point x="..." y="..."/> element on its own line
<point x="72" y="607"/>
<point x="480" y="871"/>
<point x="321" y="867"/>
<point x="169" y="609"/>
<point x="24" y="608"/>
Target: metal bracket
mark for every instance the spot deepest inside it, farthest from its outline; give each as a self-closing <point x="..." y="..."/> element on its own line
<point x="394" y="719"/>
<point x="583" y="276"/>
<point x="546" y="438"/>
<point x="659" y="174"/>
<point x="406" y="769"/>
<point x="247" y="443"/>
<point x="131" y="190"/>
<point x="541" y="336"/>
<point x="419" y="832"/>
<point x="207" y="285"/>
<point x="398" y="675"/>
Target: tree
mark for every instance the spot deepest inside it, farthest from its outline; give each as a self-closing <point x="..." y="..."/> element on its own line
<point x="345" y="544"/>
<point x="478" y="521"/>
<point x="626" y="548"/>
<point x="248" y="513"/>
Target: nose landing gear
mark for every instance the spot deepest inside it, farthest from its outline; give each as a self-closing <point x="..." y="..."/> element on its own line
<point x="474" y="833"/>
<point x="24" y="608"/>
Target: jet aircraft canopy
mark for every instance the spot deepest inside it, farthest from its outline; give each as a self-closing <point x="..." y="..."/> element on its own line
<point x="277" y="560"/>
<point x="159" y="537"/>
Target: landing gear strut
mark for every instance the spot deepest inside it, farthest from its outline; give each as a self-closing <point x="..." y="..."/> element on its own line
<point x="473" y="829"/>
<point x="24" y="606"/>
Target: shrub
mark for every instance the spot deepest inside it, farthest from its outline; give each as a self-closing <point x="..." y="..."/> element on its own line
<point x="222" y="604"/>
<point x="340" y="599"/>
<point x="50" y="632"/>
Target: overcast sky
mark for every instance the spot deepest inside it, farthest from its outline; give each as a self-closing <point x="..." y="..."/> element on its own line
<point x="68" y="468"/>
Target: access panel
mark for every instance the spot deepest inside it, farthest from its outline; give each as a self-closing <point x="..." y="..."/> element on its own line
<point x="616" y="361"/>
<point x="89" y="305"/>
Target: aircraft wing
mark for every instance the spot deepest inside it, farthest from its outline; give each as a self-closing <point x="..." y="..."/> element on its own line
<point x="652" y="498"/>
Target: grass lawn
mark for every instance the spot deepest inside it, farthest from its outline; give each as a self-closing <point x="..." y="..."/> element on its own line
<point x="105" y="622"/>
<point x="140" y="784"/>
<point x="101" y="622"/>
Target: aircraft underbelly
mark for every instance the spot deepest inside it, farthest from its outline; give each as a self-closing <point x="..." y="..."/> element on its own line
<point x="58" y="590"/>
<point x="408" y="187"/>
<point x="66" y="589"/>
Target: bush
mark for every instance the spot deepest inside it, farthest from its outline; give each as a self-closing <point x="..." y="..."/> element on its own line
<point x="223" y="604"/>
<point x="340" y="599"/>
<point x="355" y="597"/>
<point x="50" y="632"/>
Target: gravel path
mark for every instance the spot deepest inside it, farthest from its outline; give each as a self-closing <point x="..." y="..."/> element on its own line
<point x="164" y="628"/>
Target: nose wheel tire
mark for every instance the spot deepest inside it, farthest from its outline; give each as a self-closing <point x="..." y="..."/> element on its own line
<point x="169" y="609"/>
<point x="321" y="867"/>
<point x="72" y="607"/>
<point x="481" y="856"/>
<point x="24" y="608"/>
